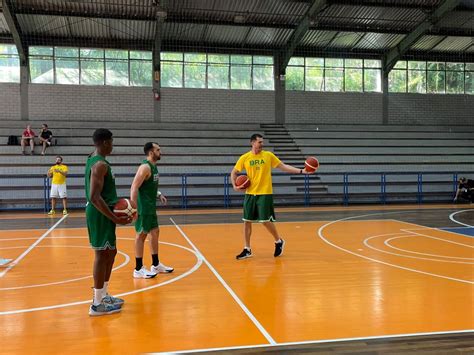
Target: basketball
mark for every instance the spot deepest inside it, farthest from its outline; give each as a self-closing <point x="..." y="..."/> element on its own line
<point x="124" y="208"/>
<point x="242" y="182"/>
<point x="311" y="164"/>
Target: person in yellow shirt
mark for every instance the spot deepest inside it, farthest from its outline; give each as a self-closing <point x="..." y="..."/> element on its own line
<point x="258" y="202"/>
<point x="58" y="173"/>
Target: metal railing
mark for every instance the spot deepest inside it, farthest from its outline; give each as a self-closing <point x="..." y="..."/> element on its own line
<point x="348" y="180"/>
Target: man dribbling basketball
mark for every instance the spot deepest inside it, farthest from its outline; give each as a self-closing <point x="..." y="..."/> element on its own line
<point x="258" y="202"/>
<point x="101" y="196"/>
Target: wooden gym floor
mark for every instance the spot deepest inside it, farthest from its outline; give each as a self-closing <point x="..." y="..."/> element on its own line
<point x="352" y="280"/>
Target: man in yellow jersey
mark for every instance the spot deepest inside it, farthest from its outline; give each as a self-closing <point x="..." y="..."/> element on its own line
<point x="58" y="173"/>
<point x="258" y="202"/>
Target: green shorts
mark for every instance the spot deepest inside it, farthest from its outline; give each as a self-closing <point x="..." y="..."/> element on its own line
<point x="259" y="208"/>
<point x="100" y="228"/>
<point x="146" y="223"/>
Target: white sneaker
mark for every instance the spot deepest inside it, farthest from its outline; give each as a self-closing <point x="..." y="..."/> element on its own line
<point x="4" y="261"/>
<point x="143" y="273"/>
<point x="160" y="268"/>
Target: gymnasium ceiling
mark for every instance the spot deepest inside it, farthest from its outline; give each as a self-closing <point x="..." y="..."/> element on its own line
<point x="359" y="27"/>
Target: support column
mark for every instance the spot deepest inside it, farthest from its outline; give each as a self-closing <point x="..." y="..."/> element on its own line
<point x="156" y="64"/>
<point x="24" y="87"/>
<point x="385" y="97"/>
<point x="22" y="48"/>
<point x="279" y="73"/>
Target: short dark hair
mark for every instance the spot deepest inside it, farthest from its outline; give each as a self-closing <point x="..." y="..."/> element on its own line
<point x="44" y="124"/>
<point x="60" y="157"/>
<point x="148" y="146"/>
<point x="101" y="135"/>
<point x="255" y="136"/>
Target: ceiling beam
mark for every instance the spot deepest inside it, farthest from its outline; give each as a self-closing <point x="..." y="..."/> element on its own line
<point x="300" y="31"/>
<point x="383" y="4"/>
<point x="390" y="59"/>
<point x="225" y="49"/>
<point x="15" y="30"/>
<point x="324" y="24"/>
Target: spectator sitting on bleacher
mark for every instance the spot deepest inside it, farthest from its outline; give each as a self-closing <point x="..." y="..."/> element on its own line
<point x="28" y="137"/>
<point x="465" y="190"/>
<point x="45" y="137"/>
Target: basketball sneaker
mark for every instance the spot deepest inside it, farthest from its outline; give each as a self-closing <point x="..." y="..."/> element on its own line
<point x="279" y="248"/>
<point x="4" y="261"/>
<point x="246" y="253"/>
<point x="113" y="300"/>
<point x="143" y="273"/>
<point x="103" y="309"/>
<point x="51" y="213"/>
<point x="64" y="212"/>
<point x="161" y="268"/>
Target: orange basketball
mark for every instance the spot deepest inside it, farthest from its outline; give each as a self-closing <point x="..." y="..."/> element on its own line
<point x="125" y="208"/>
<point x="242" y="182"/>
<point x="311" y="164"/>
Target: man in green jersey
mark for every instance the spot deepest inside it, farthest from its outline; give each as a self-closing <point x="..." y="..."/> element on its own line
<point x="101" y="196"/>
<point x="144" y="192"/>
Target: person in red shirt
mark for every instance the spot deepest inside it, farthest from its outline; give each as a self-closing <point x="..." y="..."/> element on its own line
<point x="28" y="137"/>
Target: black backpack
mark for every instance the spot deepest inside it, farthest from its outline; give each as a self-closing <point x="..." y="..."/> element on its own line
<point x="12" y="140"/>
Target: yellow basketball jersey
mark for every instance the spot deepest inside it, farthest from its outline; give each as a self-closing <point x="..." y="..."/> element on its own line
<point x="58" y="178"/>
<point x="259" y="171"/>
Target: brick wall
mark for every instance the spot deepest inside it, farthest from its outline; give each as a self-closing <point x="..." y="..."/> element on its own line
<point x="62" y="102"/>
<point x="10" y="101"/>
<point x="217" y="105"/>
<point x="431" y="109"/>
<point x="107" y="103"/>
<point x="333" y="108"/>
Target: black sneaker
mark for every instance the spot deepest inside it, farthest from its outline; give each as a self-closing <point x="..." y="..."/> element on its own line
<point x="246" y="253"/>
<point x="279" y="248"/>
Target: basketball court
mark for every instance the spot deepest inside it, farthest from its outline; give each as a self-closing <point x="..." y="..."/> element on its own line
<point x="347" y="274"/>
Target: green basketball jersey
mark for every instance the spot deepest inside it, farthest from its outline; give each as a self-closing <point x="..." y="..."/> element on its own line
<point x="109" y="192"/>
<point x="147" y="192"/>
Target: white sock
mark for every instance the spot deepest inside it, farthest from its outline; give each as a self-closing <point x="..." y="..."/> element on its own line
<point x="248" y="248"/>
<point x="278" y="241"/>
<point x="106" y="288"/>
<point x="97" y="296"/>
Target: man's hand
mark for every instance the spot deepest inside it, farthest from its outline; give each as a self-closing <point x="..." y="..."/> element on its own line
<point x="239" y="189"/>
<point x="122" y="220"/>
<point x="163" y="200"/>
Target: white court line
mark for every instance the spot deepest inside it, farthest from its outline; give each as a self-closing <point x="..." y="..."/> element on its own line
<point x="227" y="287"/>
<point x="366" y="243"/>
<point x="127" y="260"/>
<point x="432" y="228"/>
<point x="321" y="236"/>
<point x="189" y="272"/>
<point x="451" y="217"/>
<point x="443" y="240"/>
<point x="387" y="243"/>
<point x="26" y="252"/>
<point x="309" y="342"/>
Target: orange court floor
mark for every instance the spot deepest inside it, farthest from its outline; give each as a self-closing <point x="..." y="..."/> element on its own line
<point x="365" y="272"/>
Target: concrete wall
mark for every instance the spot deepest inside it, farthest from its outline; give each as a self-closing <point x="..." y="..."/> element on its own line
<point x="217" y="105"/>
<point x="333" y="108"/>
<point x="107" y="103"/>
<point x="9" y="101"/>
<point x="431" y="109"/>
<point x="78" y="102"/>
